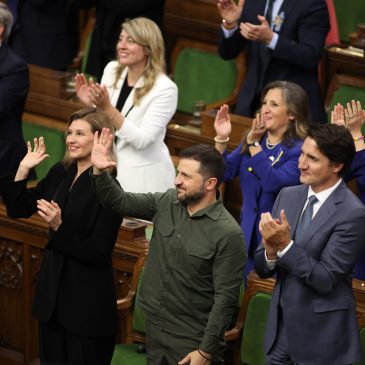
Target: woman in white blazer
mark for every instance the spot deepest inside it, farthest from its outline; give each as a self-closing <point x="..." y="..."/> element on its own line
<point x="140" y="100"/>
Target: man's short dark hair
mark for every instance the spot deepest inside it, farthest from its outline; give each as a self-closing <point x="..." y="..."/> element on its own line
<point x="335" y="142"/>
<point x="211" y="161"/>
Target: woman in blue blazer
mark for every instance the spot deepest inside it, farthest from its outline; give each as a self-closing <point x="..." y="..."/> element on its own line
<point x="74" y="300"/>
<point x="267" y="159"/>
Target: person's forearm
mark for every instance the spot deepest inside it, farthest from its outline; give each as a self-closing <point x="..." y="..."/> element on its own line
<point x="22" y="173"/>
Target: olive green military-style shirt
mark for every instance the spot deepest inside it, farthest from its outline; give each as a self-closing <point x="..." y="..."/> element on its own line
<point x="195" y="264"/>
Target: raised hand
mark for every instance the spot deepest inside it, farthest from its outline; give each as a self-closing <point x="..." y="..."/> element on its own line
<point x="32" y="158"/>
<point x="222" y="123"/>
<point x="100" y="155"/>
<point x="50" y="212"/>
<point x="229" y="10"/>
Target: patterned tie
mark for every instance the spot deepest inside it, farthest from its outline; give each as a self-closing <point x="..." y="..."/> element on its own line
<point x="305" y="218"/>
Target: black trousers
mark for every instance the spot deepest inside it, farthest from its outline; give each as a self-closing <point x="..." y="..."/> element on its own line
<point x="60" y="347"/>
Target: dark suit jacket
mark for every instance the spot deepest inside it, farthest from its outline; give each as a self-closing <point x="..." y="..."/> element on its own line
<point x="14" y="85"/>
<point x="314" y="279"/>
<point x="75" y="283"/>
<point x="295" y="58"/>
<point x="41" y="36"/>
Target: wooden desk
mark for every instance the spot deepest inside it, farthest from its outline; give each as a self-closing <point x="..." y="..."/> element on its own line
<point x="22" y="243"/>
<point x="339" y="60"/>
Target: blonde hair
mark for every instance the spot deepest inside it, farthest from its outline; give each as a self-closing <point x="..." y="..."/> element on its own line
<point x="147" y="34"/>
<point x="97" y="120"/>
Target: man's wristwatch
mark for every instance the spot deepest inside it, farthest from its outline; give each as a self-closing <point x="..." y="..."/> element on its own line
<point x="254" y="144"/>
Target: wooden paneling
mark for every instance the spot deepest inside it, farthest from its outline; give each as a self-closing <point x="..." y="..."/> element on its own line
<point x="193" y="19"/>
<point x="22" y="244"/>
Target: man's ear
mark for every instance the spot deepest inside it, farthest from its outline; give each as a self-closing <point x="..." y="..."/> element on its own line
<point x="2" y="30"/>
<point x="337" y="167"/>
<point x="211" y="183"/>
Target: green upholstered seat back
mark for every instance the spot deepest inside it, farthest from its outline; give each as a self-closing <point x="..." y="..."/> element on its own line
<point x="139" y="321"/>
<point x="349" y="14"/>
<point x="252" y="347"/>
<point x="55" y="145"/>
<point x="202" y="75"/>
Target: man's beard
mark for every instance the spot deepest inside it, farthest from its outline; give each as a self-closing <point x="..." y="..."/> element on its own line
<point x="192" y="198"/>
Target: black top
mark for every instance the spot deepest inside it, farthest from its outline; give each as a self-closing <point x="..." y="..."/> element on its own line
<point x="124" y="93"/>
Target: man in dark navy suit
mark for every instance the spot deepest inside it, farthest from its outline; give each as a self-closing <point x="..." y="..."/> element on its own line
<point x="282" y="40"/>
<point x="14" y="85"/>
<point x="312" y="240"/>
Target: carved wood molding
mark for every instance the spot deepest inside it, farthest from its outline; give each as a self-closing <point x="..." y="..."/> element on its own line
<point x="11" y="264"/>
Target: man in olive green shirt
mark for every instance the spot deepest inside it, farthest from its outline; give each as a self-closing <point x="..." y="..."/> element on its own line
<point x="197" y="255"/>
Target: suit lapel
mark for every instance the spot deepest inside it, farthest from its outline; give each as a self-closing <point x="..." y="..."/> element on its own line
<point x="298" y="209"/>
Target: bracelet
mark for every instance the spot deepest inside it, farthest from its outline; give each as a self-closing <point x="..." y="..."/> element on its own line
<point x="202" y="355"/>
<point x="358" y="138"/>
<point x="228" y="26"/>
<point x="216" y="139"/>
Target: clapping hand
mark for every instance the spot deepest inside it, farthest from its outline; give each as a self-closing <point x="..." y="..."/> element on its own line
<point x="82" y="89"/>
<point x="32" y="158"/>
<point x="353" y="116"/>
<point x="100" y="155"/>
<point x="258" y="129"/>
<point x="50" y="212"/>
<point x="275" y="233"/>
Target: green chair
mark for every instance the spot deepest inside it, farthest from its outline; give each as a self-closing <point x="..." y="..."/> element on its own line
<point x="247" y="337"/>
<point x="131" y="352"/>
<point x="54" y="140"/>
<point x="201" y="75"/>
<point x="349" y="14"/>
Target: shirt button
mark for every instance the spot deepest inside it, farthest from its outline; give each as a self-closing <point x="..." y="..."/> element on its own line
<point x="178" y="235"/>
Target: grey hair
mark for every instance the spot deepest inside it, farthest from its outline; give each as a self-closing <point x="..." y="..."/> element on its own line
<point x="6" y="20"/>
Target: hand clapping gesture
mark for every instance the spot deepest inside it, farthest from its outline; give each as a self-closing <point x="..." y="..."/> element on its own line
<point x="100" y="155"/>
<point x="353" y="116"/>
<point x="275" y="233"/>
<point x="32" y="158"/>
<point x="258" y="129"/>
<point x="90" y="93"/>
<point x="50" y="212"/>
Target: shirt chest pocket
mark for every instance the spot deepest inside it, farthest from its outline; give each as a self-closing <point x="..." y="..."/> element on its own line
<point x="194" y="258"/>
